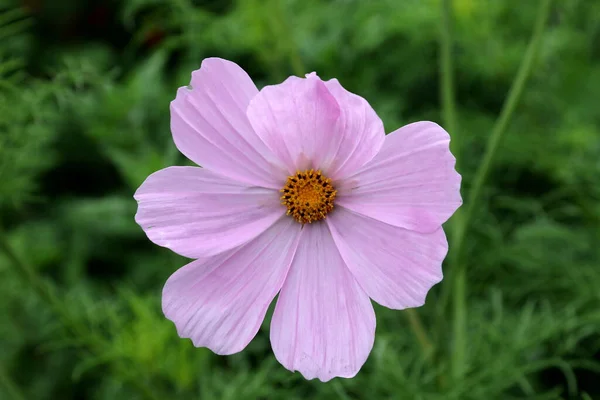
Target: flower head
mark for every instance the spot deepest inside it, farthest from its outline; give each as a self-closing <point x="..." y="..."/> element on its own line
<point x="300" y="193"/>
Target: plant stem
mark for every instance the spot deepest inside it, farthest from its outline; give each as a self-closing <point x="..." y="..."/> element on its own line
<point x="447" y="93"/>
<point x="417" y="326"/>
<point x="447" y="71"/>
<point x="448" y="103"/>
<point x="457" y="270"/>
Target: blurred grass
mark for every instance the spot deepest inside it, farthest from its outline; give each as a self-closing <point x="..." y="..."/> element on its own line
<point x="84" y="93"/>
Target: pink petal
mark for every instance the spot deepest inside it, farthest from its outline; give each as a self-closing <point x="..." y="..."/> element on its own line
<point x="324" y="323"/>
<point x="411" y="182"/>
<point x="395" y="267"/>
<point x="221" y="302"/>
<point x="295" y="119"/>
<point x="309" y="123"/>
<point x="359" y="133"/>
<point x="197" y="213"/>
<point x="210" y="126"/>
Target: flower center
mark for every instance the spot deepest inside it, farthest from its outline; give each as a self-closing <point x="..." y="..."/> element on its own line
<point x="308" y="196"/>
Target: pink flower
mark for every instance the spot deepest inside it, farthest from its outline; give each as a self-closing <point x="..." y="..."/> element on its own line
<point x="302" y="194"/>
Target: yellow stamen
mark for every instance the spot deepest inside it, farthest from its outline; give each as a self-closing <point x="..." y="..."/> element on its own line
<point x="308" y="196"/>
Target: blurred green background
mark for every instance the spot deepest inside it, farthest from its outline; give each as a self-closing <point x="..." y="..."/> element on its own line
<point x="85" y="88"/>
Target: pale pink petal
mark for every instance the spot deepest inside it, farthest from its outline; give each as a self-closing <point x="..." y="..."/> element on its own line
<point x="411" y="182"/>
<point x="358" y="135"/>
<point x="395" y="267"/>
<point x="210" y="126"/>
<point x="197" y="213"/>
<point x="324" y="323"/>
<point x="221" y="302"/>
<point x="309" y="123"/>
<point x="295" y="119"/>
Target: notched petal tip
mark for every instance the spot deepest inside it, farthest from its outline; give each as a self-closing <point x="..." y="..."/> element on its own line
<point x="210" y="126"/>
<point x="322" y="375"/>
<point x="220" y="302"/>
<point x="321" y="296"/>
<point x="411" y="183"/>
<point x="360" y="129"/>
<point x="197" y="213"/>
<point x="294" y="117"/>
<point x="183" y="330"/>
<point x="397" y="276"/>
<point x="427" y="125"/>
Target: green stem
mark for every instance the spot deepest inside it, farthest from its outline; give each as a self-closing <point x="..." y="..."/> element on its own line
<point x="457" y="270"/>
<point x="448" y="103"/>
<point x="11" y="388"/>
<point x="447" y="71"/>
<point x="447" y="93"/>
<point x="417" y="327"/>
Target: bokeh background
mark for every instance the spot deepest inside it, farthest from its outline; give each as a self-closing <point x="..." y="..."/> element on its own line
<point x="85" y="88"/>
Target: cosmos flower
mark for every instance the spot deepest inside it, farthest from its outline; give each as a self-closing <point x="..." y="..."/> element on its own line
<point x="300" y="194"/>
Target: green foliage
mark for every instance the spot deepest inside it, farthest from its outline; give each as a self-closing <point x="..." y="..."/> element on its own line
<point x="84" y="118"/>
<point x="25" y="115"/>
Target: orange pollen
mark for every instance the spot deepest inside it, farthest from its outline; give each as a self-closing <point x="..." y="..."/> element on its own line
<point x="308" y="196"/>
